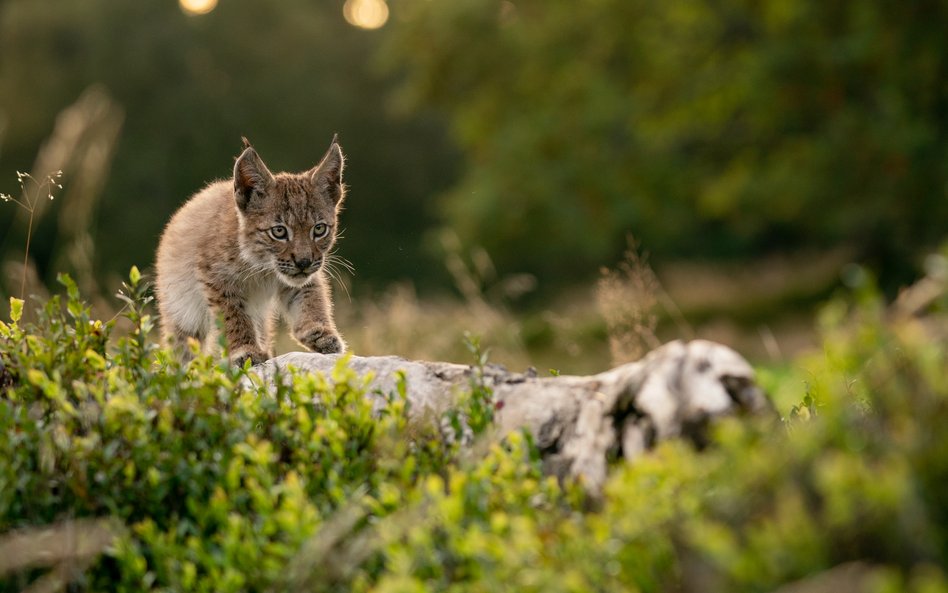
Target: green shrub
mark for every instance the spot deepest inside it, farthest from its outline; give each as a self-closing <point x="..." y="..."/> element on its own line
<point x="215" y="485"/>
<point x="218" y="483"/>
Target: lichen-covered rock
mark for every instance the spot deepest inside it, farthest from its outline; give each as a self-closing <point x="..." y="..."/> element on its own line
<point x="577" y="421"/>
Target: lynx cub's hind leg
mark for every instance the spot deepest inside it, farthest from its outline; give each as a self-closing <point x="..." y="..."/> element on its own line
<point x="177" y="338"/>
<point x="308" y="311"/>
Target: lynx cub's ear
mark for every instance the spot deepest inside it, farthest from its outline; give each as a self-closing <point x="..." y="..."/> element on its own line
<point x="327" y="175"/>
<point x="251" y="177"/>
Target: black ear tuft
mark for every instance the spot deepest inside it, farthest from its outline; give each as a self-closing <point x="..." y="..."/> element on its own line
<point x="327" y="175"/>
<point x="251" y="177"/>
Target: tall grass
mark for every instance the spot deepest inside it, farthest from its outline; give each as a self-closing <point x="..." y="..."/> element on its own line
<point x="79" y="148"/>
<point x="31" y="192"/>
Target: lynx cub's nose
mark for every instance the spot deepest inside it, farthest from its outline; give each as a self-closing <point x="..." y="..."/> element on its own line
<point x="304" y="264"/>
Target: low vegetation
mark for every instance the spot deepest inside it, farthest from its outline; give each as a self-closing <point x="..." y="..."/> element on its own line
<point x="120" y="470"/>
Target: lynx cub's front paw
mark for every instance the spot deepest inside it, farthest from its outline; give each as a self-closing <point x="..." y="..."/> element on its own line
<point x="324" y="342"/>
<point x="254" y="356"/>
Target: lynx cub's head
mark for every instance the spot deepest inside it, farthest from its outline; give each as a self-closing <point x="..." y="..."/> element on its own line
<point x="288" y="221"/>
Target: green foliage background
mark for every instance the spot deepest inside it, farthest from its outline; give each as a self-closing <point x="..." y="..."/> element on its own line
<point x="544" y="132"/>
<point x="211" y="484"/>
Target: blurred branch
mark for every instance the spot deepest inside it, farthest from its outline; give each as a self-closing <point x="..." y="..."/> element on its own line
<point x="89" y="161"/>
<point x="851" y="577"/>
<point x="333" y="553"/>
<point x="69" y="548"/>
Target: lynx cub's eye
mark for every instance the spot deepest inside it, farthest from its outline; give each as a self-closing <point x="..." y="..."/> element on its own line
<point x="320" y="229"/>
<point x="279" y="232"/>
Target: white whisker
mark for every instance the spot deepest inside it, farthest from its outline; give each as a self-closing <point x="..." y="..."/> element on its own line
<point x="334" y="274"/>
<point x="332" y="266"/>
<point x="341" y="261"/>
<point x="253" y="271"/>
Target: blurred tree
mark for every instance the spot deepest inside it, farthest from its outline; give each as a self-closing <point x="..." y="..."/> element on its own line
<point x="285" y="74"/>
<point x="706" y="128"/>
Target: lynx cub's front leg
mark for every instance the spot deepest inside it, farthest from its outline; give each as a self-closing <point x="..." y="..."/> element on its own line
<point x="247" y="337"/>
<point x="308" y="311"/>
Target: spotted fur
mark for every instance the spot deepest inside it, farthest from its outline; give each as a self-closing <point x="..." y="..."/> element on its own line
<point x="243" y="250"/>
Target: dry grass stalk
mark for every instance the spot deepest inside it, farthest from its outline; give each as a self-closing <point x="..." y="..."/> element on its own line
<point x="627" y="298"/>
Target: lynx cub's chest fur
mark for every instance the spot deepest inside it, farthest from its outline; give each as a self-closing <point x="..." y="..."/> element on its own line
<point x="243" y="250"/>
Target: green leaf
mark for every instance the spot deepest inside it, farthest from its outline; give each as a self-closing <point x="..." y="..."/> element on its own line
<point x="71" y="289"/>
<point x="95" y="360"/>
<point x="16" y="309"/>
<point x="74" y="308"/>
<point x="36" y="377"/>
<point x="134" y="276"/>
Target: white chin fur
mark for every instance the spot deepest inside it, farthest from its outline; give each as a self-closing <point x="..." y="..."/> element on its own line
<point x="294" y="281"/>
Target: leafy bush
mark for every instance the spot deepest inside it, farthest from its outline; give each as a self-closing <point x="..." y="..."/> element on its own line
<point x="213" y="484"/>
<point x="218" y="483"/>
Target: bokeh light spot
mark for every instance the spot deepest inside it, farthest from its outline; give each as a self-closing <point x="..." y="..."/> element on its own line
<point x="198" y="6"/>
<point x="365" y="14"/>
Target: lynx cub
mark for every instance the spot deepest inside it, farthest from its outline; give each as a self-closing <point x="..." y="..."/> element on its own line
<point x="239" y="248"/>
